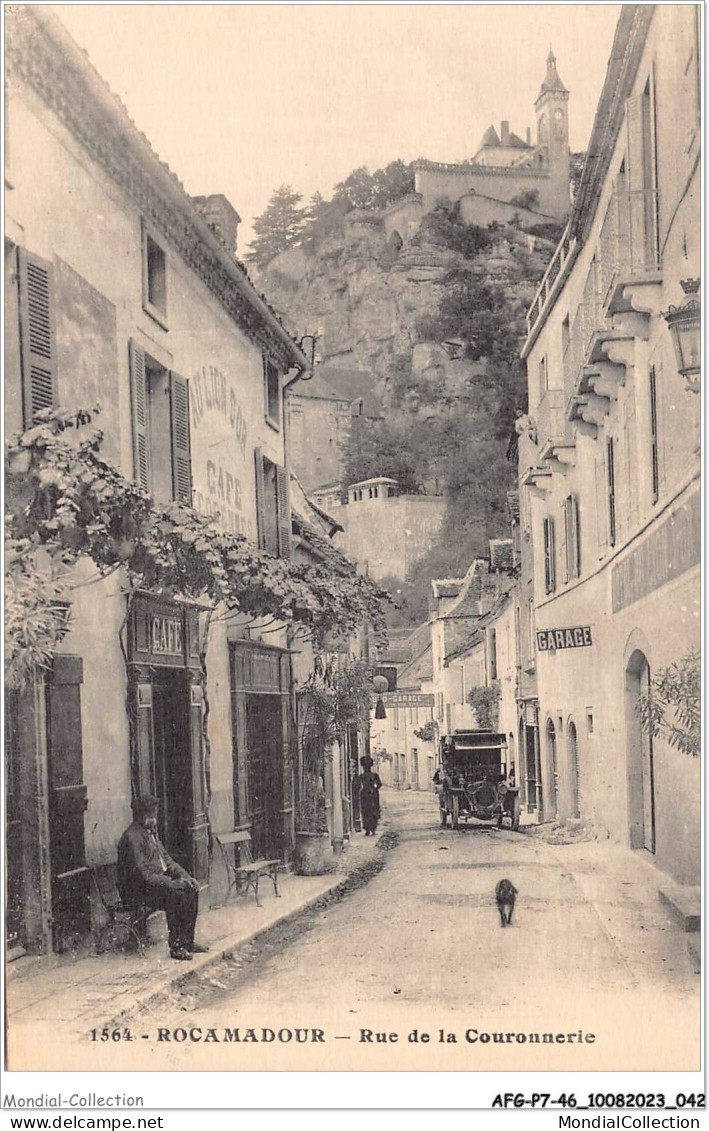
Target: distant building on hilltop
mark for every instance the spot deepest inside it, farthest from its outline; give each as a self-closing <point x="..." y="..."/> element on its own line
<point x="508" y="176"/>
<point x="319" y="417"/>
<point x="385" y="531"/>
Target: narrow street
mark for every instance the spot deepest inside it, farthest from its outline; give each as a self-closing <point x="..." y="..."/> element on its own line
<point x="590" y="951"/>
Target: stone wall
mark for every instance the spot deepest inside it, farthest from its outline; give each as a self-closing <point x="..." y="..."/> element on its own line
<point x="386" y="537"/>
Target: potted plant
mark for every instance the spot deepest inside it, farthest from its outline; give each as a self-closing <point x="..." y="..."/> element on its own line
<point x="331" y="701"/>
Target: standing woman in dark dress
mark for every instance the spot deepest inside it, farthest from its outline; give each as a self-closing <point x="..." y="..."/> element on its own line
<point x="368" y="786"/>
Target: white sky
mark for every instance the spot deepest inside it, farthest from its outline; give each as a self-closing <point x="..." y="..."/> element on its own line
<point x="240" y="98"/>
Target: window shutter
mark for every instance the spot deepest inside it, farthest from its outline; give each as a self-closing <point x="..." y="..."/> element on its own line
<point x="552" y="556"/>
<point x="284" y="515"/>
<point x="547" y="570"/>
<point x="635" y="203"/>
<point x="37" y="340"/>
<point x="260" y="501"/>
<point x="631" y="461"/>
<point x="654" y="450"/>
<point x="601" y="507"/>
<point x="611" y="500"/>
<point x="565" y="540"/>
<point x="576" y="529"/>
<point x="180" y="439"/>
<point x="139" y="407"/>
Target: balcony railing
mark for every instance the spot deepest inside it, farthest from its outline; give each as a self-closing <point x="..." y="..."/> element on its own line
<point x="549" y="279"/>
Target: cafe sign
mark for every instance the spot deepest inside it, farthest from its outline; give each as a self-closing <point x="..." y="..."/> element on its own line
<point x="166" y="635"/>
<point x="556" y="639"/>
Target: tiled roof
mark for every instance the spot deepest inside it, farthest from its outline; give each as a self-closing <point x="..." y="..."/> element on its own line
<point x="447" y="586"/>
<point x="513" y="505"/>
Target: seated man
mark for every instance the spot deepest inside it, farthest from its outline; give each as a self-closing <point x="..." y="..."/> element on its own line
<point x="149" y="877"/>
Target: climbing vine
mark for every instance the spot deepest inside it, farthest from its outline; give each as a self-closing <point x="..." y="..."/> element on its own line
<point x="65" y="502"/>
<point x="677" y="688"/>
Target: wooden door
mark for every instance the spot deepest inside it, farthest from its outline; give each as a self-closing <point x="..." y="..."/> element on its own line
<point x="173" y="764"/>
<point x="67" y="803"/>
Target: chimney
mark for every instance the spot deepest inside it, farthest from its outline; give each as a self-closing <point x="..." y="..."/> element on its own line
<point x="221" y="217"/>
<point x="505" y="133"/>
<point x="529" y="136"/>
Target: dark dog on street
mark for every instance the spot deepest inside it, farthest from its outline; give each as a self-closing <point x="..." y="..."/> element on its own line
<point x="505" y="894"/>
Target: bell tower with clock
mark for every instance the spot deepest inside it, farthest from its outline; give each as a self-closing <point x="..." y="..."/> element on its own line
<point x="552" y="109"/>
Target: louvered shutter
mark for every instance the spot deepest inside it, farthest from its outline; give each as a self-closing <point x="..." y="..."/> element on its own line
<point x="284" y="515"/>
<point x="37" y="341"/>
<point x="611" y="496"/>
<point x="635" y="204"/>
<point x="576" y="534"/>
<point x="547" y="567"/>
<point x="140" y="416"/>
<point x="601" y="507"/>
<point x="180" y="439"/>
<point x="565" y="540"/>
<point x="631" y="461"/>
<point x="260" y="500"/>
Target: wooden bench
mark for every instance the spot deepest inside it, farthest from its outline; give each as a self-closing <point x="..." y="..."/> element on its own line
<point x="243" y="872"/>
<point x="132" y="922"/>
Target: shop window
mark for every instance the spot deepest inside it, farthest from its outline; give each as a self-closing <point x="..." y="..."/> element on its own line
<point x="161" y="428"/>
<point x="154" y="278"/>
<point x="273" y="514"/>
<point x="38" y="351"/>
<point x="272" y="392"/>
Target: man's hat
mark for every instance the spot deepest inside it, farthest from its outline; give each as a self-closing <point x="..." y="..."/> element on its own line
<point x="144" y="804"/>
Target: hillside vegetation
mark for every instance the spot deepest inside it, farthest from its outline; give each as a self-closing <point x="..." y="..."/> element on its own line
<point x="448" y="412"/>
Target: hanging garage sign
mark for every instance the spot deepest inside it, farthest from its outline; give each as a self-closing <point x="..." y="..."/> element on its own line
<point x="554" y="639"/>
<point x="408" y="699"/>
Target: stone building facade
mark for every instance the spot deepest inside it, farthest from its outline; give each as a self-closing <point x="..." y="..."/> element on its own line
<point x="131" y="299"/>
<point x="609" y="455"/>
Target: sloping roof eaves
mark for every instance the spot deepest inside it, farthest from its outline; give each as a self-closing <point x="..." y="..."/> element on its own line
<point x="628" y="44"/>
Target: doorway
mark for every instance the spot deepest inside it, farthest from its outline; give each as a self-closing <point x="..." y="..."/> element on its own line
<point x="172" y="762"/>
<point x="264" y="742"/>
<point x="640" y="758"/>
<point x="552" y="763"/>
<point x="574" y="771"/>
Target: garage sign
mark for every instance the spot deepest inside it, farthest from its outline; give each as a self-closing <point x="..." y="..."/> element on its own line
<point x="554" y="639"/>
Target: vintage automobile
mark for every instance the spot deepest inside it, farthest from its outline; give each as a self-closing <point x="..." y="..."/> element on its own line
<point x="473" y="779"/>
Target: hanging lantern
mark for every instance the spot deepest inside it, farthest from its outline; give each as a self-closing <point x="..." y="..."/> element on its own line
<point x="380" y="684"/>
<point x="684" y="322"/>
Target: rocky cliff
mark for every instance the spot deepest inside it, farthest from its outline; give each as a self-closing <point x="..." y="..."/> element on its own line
<point x="365" y="295"/>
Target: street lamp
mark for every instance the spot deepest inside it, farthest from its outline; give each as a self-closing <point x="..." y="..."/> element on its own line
<point x="380" y="684"/>
<point x="684" y="322"/>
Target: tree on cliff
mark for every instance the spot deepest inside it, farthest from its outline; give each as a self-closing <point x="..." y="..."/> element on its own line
<point x="362" y="189"/>
<point x="278" y="227"/>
